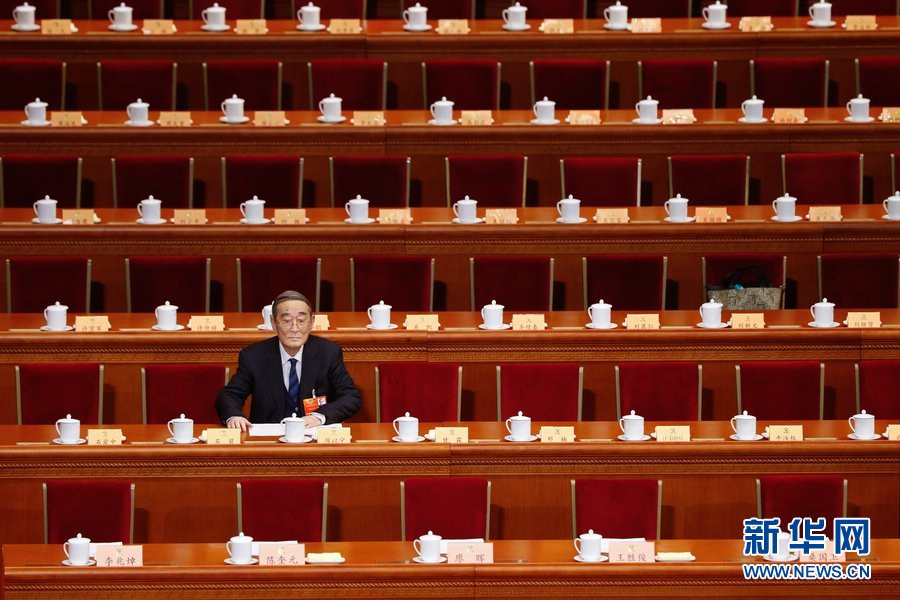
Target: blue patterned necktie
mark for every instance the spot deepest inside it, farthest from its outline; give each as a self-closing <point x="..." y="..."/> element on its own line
<point x="294" y="386"/>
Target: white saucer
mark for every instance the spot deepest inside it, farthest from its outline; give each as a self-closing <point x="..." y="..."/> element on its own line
<point x="888" y="218"/>
<point x="318" y="27"/>
<point x="56" y="221"/>
<point x="224" y="119"/>
<point x="622" y="438"/>
<point x="581" y="559"/>
<point x="215" y="27"/>
<point x="171" y="440"/>
<point x="756" y="438"/>
<point x="441" y="123"/>
<point x="714" y="27"/>
<point x="637" y="121"/>
<point x="263" y="222"/>
<point x="509" y="27"/>
<point x="90" y="563"/>
<point x="28" y="123"/>
<point x="503" y="327"/>
<point x="177" y="328"/>
<point x="530" y="438"/>
<point x="370" y="327"/>
<point x="608" y="326"/>
<point x="580" y="220"/>
<point x="475" y="222"/>
<point x="17" y="27"/>
<point x="130" y="123"/>
<point x="790" y="558"/>
<point x="230" y="561"/>
<point x="793" y="220"/>
<point x="539" y="122"/>
<point x="875" y="436"/>
<point x="46" y="328"/>
<point x="852" y="120"/>
<point x="305" y="439"/>
<point x="719" y="326"/>
<point x="366" y="222"/>
<point x="264" y="327"/>
<point x="172" y="220"/>
<point x="330" y="562"/>
<point x="687" y="220"/>
<point x="691" y="559"/>
<point x="611" y="27"/>
<point x="754" y="122"/>
<point x="824" y="25"/>
<point x="833" y="325"/>
<point x="421" y="561"/>
<point x="143" y="222"/>
<point x="131" y="27"/>
<point x="408" y="27"/>
<point x="324" y="119"/>
<point x="400" y="440"/>
<point x="62" y="443"/>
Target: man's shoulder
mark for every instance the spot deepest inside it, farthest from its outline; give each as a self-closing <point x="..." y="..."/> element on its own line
<point x="261" y="348"/>
<point x="322" y="345"/>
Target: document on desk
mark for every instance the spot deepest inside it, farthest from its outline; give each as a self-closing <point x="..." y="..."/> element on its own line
<point x="267" y="429"/>
<point x="604" y="543"/>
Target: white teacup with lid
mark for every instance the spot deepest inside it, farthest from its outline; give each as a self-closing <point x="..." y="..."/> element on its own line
<point x="357" y="210"/>
<point x="233" y="109"/>
<point x="240" y="549"/>
<point x="78" y="550"/>
<point x="23" y="15"/>
<point x="632" y="426"/>
<point x="55" y="316"/>
<point x="588" y="546"/>
<point x="294" y="428"/>
<point x="616" y="16"/>
<point x="858" y="109"/>
<point x="68" y="430"/>
<point x="380" y="315"/>
<point x="465" y="210"/>
<point x="514" y="17"/>
<point x="863" y="426"/>
<point x="330" y="107"/>
<point x="891" y="206"/>
<point x="150" y="209"/>
<point x="428" y="547"/>
<point x="711" y="314"/>
<point x="253" y="210"/>
<point x="214" y="18"/>
<point x="138" y="113"/>
<point x="823" y="314"/>
<point x="820" y="13"/>
<point x="309" y="16"/>
<point x="544" y="112"/>
<point x="45" y="209"/>
<point x="36" y="113"/>
<point x="166" y="317"/>
<point x="442" y="111"/>
<point x="600" y="314"/>
<point x="714" y="14"/>
<point x="406" y="428"/>
<point x="415" y="18"/>
<point x="647" y="110"/>
<point x="182" y="429"/>
<point x="744" y="426"/>
<point x="752" y="108"/>
<point x="677" y="209"/>
<point x="785" y="207"/>
<point x="120" y="17"/>
<point x="569" y="210"/>
<point x="519" y="427"/>
<point x="492" y="315"/>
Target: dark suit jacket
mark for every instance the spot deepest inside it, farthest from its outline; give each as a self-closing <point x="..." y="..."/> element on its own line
<point x="259" y="373"/>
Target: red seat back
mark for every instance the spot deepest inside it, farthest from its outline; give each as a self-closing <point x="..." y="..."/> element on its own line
<point x="35" y="282"/>
<point x="167" y="178"/>
<point x="426" y="390"/>
<point x="617" y="508"/>
<point x="180" y="280"/>
<point x="813" y="496"/>
<point x="404" y="282"/>
<point x="790" y="82"/>
<point x="876" y="74"/>
<point x="38" y="77"/>
<point x="516" y="282"/>
<point x="544" y="392"/>
<point x="472" y="84"/>
<point x="273" y="178"/>
<point x="124" y="81"/>
<point x="679" y="82"/>
<point x="579" y="83"/>
<point x="860" y="280"/>
<point x="173" y="389"/>
<point x="382" y="180"/>
<point x="879" y="381"/>
<point x="660" y="391"/>
<point x="50" y="391"/>
<point x="493" y="180"/>
<point x="358" y="82"/>
<point x="97" y="509"/>
<point x="264" y="277"/>
<point x="774" y="390"/>
<point x="452" y="507"/>
<point x="710" y="179"/>
<point x="603" y="181"/>
<point x="627" y="281"/>
<point x="258" y="82"/>
<point x="833" y="178"/>
<point x="276" y="509"/>
<point x="28" y="178"/>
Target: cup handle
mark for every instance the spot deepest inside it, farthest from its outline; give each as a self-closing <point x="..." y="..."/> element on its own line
<point x="431" y="110"/>
<point x="156" y="314"/>
<point x="112" y="19"/>
<point x="812" y="312"/>
<point x="347" y="208"/>
<point x="15" y="15"/>
<point x="636" y="109"/>
<point x="263" y="314"/>
<point x="228" y="548"/>
<point x="666" y="206"/>
<point x="508" y="428"/>
<point x="406" y="16"/>
<point x="57" y="423"/>
<point x="455" y="212"/>
<point x="243" y="209"/>
<point x="850" y="421"/>
<point x="34" y="206"/>
<point x="128" y="112"/>
<point x="744" y="107"/>
<point x="417" y="547"/>
<point x="396" y="429"/>
<point x="321" y="104"/>
<point x="705" y="13"/>
<point x="577" y="545"/>
<point x="590" y="312"/>
<point x="222" y="106"/>
<point x="169" y="425"/>
<point x="203" y="17"/>
<point x="701" y="313"/>
<point x="66" y="548"/>
<point x="622" y="425"/>
<point x="733" y="425"/>
<point x="849" y="112"/>
<point x="369" y="313"/>
<point x="505" y="15"/>
<point x="811" y="13"/>
<point x="482" y="315"/>
<point x="606" y="13"/>
<point x="534" y="110"/>
<point x="775" y="206"/>
<point x="140" y="205"/>
<point x="884" y="204"/>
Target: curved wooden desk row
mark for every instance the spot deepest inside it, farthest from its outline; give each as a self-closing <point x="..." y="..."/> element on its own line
<point x="385" y="569"/>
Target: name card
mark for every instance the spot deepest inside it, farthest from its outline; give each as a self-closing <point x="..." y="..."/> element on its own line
<point x="890" y="115"/>
<point x="790" y="116"/>
<point x="501" y="216"/>
<point x="451" y="435"/>
<point x="711" y="214"/>
<point x="824" y="214"/>
<point x="678" y="116"/>
<point x="282" y="555"/>
<point x="190" y="216"/>
<point x="175" y="118"/>
<point x="333" y="435"/>
<point x="78" y="216"/>
<point x="893" y="433"/>
<point x="394" y="216"/>
<point x="472" y="118"/>
<point x="748" y="321"/>
<point x="92" y="323"/>
<point x="290" y="216"/>
<point x="120" y="556"/>
<point x="344" y="26"/>
<point x="860" y="23"/>
<point x="642" y="321"/>
<point x="673" y="433"/>
<point x="611" y="215"/>
<point x="756" y="24"/>
<point x="104" y="437"/>
<point x="528" y="323"/>
<point x="250" y="26"/>
<point x="786" y="433"/>
<point x="827" y="555"/>
<point x="583" y="117"/>
<point x="422" y="323"/>
<point x="207" y="323"/>
<point x="56" y="26"/>
<point x="269" y="118"/>
<point x="223" y="436"/>
<point x="159" y="27"/>
<point x="864" y="320"/>
<point x="368" y="118"/>
<point x="321" y="323"/>
<point x="653" y="25"/>
<point x="453" y="26"/>
<point x="558" y="26"/>
<point x="632" y="552"/>
<point x="66" y="118"/>
<point x="470" y="553"/>
<point x="557" y="435"/>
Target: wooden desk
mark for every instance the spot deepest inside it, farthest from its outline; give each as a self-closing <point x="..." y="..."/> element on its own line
<point x="187" y="493"/>
<point x="373" y="569"/>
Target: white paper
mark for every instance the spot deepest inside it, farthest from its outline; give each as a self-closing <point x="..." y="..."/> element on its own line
<point x="604" y="543"/>
<point x="267" y="429"/>
<point x="93" y="549"/>
<point x="314" y="431"/>
<point x="254" y="546"/>
<point x="469" y="541"/>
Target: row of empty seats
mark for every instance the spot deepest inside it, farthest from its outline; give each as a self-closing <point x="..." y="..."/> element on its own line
<point x="471" y="84"/>
<point x="493" y="180"/>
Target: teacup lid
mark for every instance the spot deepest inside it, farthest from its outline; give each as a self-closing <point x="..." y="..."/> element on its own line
<point x="754" y="98"/>
<point x="519" y="416"/>
<point x="742" y="416"/>
<point x="330" y="96"/>
<point x="293" y="417"/>
<point x="24" y="4"/>
<point x="57" y="306"/>
<point x="418" y="5"/>
<point x="786" y="196"/>
<point x="381" y="305"/>
<point x="79" y="539"/>
<point x="493" y="304"/>
<point x="37" y="100"/>
<point x="650" y="99"/>
<point x="824" y="302"/>
<point x="46" y="197"/>
<point x="122" y="5"/>
<point x="590" y="534"/>
<point x="68" y="419"/>
<point x="571" y="198"/>
<point x="712" y="302"/>
<point x="678" y="197"/>
<point x="864" y="414"/>
<point x="406" y="417"/>
<point x="632" y="416"/>
<point x="516" y="5"/>
<point x="167" y="306"/>
<point x="358" y="197"/>
<point x="255" y="199"/>
<point x="467" y="199"/>
<point x="241" y="538"/>
<point x="314" y="6"/>
<point x="234" y="98"/>
<point x="140" y="102"/>
<point x="602" y="304"/>
<point x="429" y="536"/>
<point x="215" y="5"/>
<point x="896" y="194"/>
<point x="545" y="100"/>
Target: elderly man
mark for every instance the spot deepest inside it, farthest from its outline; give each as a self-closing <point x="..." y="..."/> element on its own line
<point x="291" y="373"/>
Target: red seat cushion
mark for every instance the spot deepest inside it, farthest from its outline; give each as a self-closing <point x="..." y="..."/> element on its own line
<point x="493" y="180"/>
<point x="273" y="178"/>
<point x="860" y="280"/>
<point x="189" y="389"/>
<point x="660" y="391"/>
<point x="35" y="282"/>
<point x="679" y="82"/>
<point x="382" y="180"/>
<point x="877" y="78"/>
<point x="180" y="280"/>
<point x="264" y="277"/>
<point x="571" y="82"/>
<point x="269" y="508"/>
<point x="404" y="282"/>
<point x="97" y="509"/>
<point x="603" y="181"/>
<point x="711" y="180"/>
<point x="454" y="508"/>
<point x="28" y="178"/>
<point x="832" y="178"/>
<point x="617" y="508"/>
<point x="426" y="390"/>
<point x="627" y="281"/>
<point x="879" y="381"/>
<point x="258" y="82"/>
<point x="124" y="81"/>
<point x="471" y="84"/>
<point x="544" y="392"/>
<point x="50" y="391"/>
<point x="44" y="76"/>
<point x="516" y="282"/>
<point x="790" y="82"/>
<point x="773" y="390"/>
<point x="167" y="178"/>
<point x="813" y="496"/>
<point x="358" y="82"/>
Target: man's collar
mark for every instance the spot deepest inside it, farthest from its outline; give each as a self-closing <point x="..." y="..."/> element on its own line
<point x="285" y="356"/>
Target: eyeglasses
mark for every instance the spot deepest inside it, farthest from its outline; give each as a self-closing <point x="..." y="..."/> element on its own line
<point x="289" y="323"/>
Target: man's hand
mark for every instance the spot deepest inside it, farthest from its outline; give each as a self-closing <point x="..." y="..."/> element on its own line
<point x="239" y="423"/>
<point x="311" y="421"/>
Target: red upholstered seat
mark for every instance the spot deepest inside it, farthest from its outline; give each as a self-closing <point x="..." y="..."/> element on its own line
<point x="472" y="84"/>
<point x="813" y="496"/>
<point x="753" y="8"/>
<point x="772" y="390"/>
<point x="34" y="77"/>
<point x="167" y="178"/>
<point x="554" y="9"/>
<point x="44" y="9"/>
<point x="261" y="278"/>
<point x="382" y="180"/>
<point x="236" y="9"/>
<point x="429" y="391"/>
<point x="124" y="81"/>
<point x="174" y="389"/>
<point x="877" y="385"/>
<point x="579" y="83"/>
<point x="877" y="77"/>
<point x="277" y="179"/>
<point x="28" y="178"/>
<point x="38" y="281"/>
<point x="627" y="281"/>
<point x="666" y="9"/>
<point x="678" y="82"/>
<point x="544" y="392"/>
<point x="180" y="280"/>
<point x="790" y="82"/>
<point x="859" y="280"/>
<point x="452" y="507"/>
<point x="602" y="181"/>
<point x="337" y="9"/>
<point x="101" y="510"/>
<point x="659" y="391"/>
<point x="50" y="391"/>
<point x="142" y="9"/>
<point x="516" y="282"/>
<point x="617" y="508"/>
<point x="447" y="9"/>
<point x="404" y="282"/>
<point x="279" y="509"/>
<point x="716" y="267"/>
<point x="710" y="179"/>
<point x="831" y="178"/>
<point x="360" y="83"/>
<point x="493" y="180"/>
<point x="863" y="7"/>
<point x="258" y="82"/>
